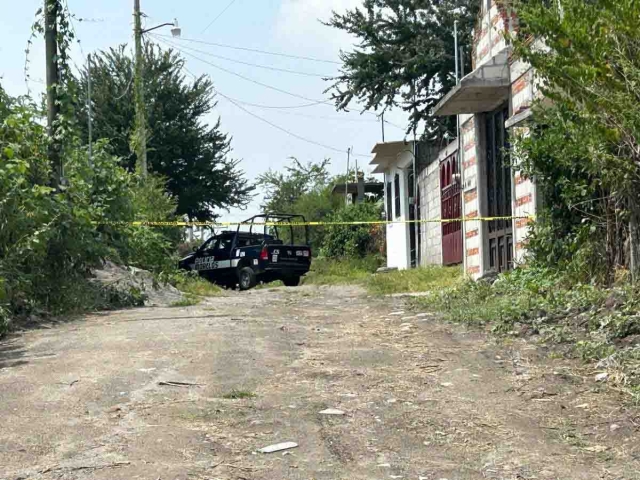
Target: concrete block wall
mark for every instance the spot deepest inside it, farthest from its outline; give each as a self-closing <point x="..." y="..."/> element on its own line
<point x="430" y="209"/>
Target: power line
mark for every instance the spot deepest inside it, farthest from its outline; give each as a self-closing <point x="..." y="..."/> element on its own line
<point x="276" y="69"/>
<point x="218" y="16"/>
<point x="257" y="105"/>
<point x="284" y="107"/>
<point x="248" y="79"/>
<point x="271" y="87"/>
<point x="288" y="132"/>
<point x="264" y="52"/>
<point x="319" y="117"/>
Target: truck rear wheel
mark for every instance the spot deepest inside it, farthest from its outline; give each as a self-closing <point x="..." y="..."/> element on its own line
<point x="292" y="281"/>
<point x="246" y="278"/>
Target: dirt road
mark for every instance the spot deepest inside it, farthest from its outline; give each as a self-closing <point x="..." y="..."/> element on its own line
<point x="141" y="394"/>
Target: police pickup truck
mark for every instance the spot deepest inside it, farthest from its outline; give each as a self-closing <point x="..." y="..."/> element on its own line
<point x="246" y="258"/>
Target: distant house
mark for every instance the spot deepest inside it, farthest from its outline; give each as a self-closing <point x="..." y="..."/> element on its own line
<point x="360" y="191"/>
<point x="493" y="103"/>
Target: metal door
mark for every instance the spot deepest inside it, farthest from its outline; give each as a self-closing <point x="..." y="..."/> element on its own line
<point x="451" y="195"/>
<point x="499" y="192"/>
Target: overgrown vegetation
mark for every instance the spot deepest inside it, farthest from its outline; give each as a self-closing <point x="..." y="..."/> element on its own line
<point x="342" y="240"/>
<point x="49" y="239"/>
<point x="338" y="271"/>
<point x="57" y="225"/>
<point x="425" y="279"/>
<point x="583" y="148"/>
<point x="190" y="283"/>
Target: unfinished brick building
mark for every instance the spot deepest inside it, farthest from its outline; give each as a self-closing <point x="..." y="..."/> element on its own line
<point x="493" y="103"/>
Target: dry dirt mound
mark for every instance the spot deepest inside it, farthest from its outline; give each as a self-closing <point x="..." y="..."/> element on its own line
<point x="127" y="280"/>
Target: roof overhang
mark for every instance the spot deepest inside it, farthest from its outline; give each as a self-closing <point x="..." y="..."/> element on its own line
<point x="388" y="153"/>
<point x="483" y="90"/>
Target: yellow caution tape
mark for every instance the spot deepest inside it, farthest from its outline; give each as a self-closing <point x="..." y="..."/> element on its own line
<point x="309" y="224"/>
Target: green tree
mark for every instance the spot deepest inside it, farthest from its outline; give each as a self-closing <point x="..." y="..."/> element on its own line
<point x="193" y="156"/>
<point x="404" y="57"/>
<point x="354" y="241"/>
<point x="284" y="189"/>
<point x="304" y="189"/>
<point x="587" y="59"/>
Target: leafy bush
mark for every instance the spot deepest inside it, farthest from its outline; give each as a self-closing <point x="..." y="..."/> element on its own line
<point x="352" y="240"/>
<point x="50" y="239"/>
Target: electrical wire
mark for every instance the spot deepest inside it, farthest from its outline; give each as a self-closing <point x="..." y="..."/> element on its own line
<point x="288" y="132"/>
<point x="248" y="79"/>
<point x="237" y="102"/>
<point x="276" y="69"/>
<point x="218" y="16"/>
<point x="264" y="52"/>
<point x="257" y="105"/>
<point x="278" y="107"/>
<point x="314" y="101"/>
<point x="318" y="117"/>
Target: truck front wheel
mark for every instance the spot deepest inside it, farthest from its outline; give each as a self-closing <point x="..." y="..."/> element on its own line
<point x="246" y="278"/>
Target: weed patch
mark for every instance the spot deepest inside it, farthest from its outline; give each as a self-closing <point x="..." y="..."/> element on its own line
<point x="187" y="301"/>
<point x="415" y="280"/>
<point x="341" y="271"/>
<point x="238" y="395"/>
<point x="362" y="271"/>
<point x="190" y="283"/>
<point x="263" y="286"/>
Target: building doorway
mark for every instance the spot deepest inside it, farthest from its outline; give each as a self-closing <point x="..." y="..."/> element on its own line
<point x="498" y="168"/>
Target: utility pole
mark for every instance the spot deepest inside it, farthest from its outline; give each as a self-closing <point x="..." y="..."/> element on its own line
<point x="382" y="123"/>
<point x="89" y="113"/>
<point x="140" y="134"/>
<point x="346" y="183"/>
<point x="53" y="108"/>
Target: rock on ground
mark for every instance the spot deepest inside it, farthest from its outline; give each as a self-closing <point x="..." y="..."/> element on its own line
<point x="125" y="279"/>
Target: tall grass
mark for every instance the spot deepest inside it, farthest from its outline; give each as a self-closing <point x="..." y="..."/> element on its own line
<point x="341" y="271"/>
<point x="362" y="271"/>
<point x="426" y="279"/>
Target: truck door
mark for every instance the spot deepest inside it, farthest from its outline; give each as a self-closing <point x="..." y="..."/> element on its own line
<point x="222" y="254"/>
<point x="213" y="256"/>
<point x="205" y="257"/>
